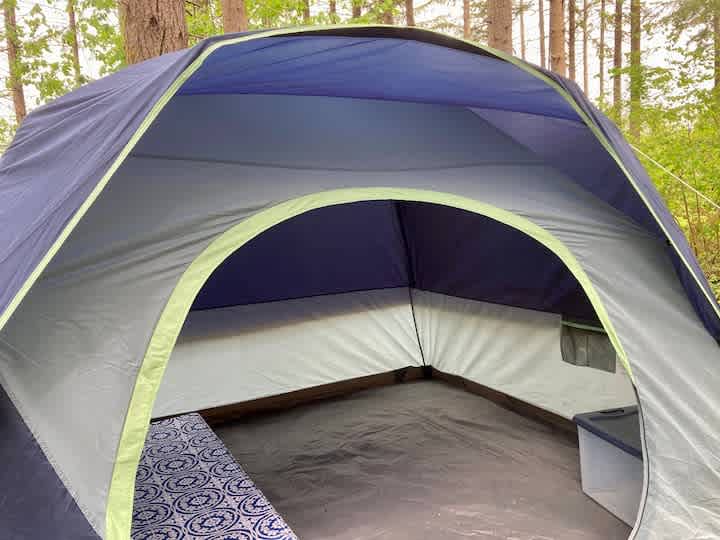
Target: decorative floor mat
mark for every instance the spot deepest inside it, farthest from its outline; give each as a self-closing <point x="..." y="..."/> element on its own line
<point x="189" y="487"/>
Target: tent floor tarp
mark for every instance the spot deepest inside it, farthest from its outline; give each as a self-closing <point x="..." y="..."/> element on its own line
<point x="418" y="460"/>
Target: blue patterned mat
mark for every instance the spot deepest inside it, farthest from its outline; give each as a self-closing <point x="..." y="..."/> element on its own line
<point x="189" y="487"/>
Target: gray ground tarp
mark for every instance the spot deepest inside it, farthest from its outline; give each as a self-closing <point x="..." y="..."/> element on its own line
<point x="420" y="460"/>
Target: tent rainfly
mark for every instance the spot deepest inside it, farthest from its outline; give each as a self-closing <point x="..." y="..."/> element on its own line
<point x="456" y="203"/>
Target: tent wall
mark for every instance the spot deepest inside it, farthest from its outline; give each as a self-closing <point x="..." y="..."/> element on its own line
<point x="240" y="353"/>
<point x="515" y="351"/>
<point x="71" y="353"/>
<point x="31" y="487"/>
<point x="237" y="354"/>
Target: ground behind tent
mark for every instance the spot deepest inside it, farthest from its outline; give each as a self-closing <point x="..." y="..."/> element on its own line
<point x="418" y="460"/>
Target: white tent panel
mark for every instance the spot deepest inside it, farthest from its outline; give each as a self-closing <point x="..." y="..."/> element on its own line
<point x="241" y="353"/>
<point x="515" y="351"/>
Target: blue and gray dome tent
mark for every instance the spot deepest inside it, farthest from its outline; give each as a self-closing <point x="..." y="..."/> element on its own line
<point x="410" y="181"/>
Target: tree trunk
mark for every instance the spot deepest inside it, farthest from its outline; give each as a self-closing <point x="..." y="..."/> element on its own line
<point x="635" y="67"/>
<point x="409" y="13"/>
<point x="356" y="9"/>
<point x="523" y="48"/>
<point x="73" y="39"/>
<point x="716" y="32"/>
<point x="499" y="20"/>
<point x="14" y="68"/>
<point x="541" y="19"/>
<point x="152" y="28"/>
<point x="572" y="31"/>
<point x="332" y="10"/>
<point x="466" y="19"/>
<point x="234" y="16"/>
<point x="601" y="52"/>
<point x="306" y="11"/>
<point x="586" y="75"/>
<point x="617" y="61"/>
<point x="387" y="12"/>
<point x="557" y="36"/>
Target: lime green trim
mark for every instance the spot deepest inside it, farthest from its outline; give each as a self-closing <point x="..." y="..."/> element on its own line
<point x="120" y="498"/>
<point x="197" y="63"/>
<point x="584" y="327"/>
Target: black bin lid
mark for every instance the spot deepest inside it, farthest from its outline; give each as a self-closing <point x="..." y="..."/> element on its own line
<point x="620" y="427"/>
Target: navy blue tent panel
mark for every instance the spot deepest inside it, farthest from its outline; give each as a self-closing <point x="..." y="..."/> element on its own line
<point x="336" y="249"/>
<point x="35" y="503"/>
<point x="463" y="254"/>
<point x="384" y="244"/>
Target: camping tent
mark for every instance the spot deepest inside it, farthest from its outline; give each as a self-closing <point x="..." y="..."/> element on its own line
<point x="359" y="199"/>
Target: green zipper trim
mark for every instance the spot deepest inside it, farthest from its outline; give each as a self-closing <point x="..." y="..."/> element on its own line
<point x="584" y="327"/>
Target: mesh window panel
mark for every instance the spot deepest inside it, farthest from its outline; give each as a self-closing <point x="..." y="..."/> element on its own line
<point x="588" y="348"/>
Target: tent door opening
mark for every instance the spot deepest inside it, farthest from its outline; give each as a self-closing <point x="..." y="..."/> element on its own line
<point x="358" y="297"/>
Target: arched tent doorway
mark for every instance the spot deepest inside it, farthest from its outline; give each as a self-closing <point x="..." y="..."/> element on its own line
<point x="231" y="241"/>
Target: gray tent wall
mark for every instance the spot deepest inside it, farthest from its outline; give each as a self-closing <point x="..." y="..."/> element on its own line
<point x="224" y="356"/>
<point x="97" y="304"/>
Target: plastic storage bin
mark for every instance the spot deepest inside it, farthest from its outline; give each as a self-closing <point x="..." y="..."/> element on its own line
<point x="611" y="463"/>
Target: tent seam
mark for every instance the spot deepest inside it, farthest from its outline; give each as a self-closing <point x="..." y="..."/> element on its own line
<point x="411" y="276"/>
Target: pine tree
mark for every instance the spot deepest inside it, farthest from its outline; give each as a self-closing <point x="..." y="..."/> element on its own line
<point x="466" y="19"/>
<point x="73" y="40"/>
<point x="557" y="36"/>
<point x="585" y="34"/>
<point x="601" y="51"/>
<point x="500" y="25"/>
<point x="636" y="75"/>
<point x="234" y="16"/>
<point x="409" y="13"/>
<point x="541" y="19"/>
<point x="12" y="39"/>
<point x="572" y="30"/>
